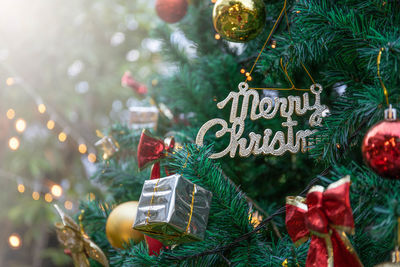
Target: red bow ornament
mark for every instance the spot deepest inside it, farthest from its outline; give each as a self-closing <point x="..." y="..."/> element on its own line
<point x="150" y="151"/>
<point x="127" y="80"/>
<point x="326" y="216"/>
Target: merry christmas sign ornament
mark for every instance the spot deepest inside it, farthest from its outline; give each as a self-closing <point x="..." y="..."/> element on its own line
<point x="266" y="108"/>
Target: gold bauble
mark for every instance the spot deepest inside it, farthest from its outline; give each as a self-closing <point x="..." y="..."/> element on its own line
<point x="119" y="225"/>
<point x="239" y="20"/>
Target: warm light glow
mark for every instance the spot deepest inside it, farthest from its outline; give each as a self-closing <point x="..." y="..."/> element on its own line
<point x="14" y="241"/>
<point x="41" y="108"/>
<point x="21" y="188"/>
<point x="217" y="36"/>
<point x="247" y="74"/>
<point x="82" y="148"/>
<point x="62" y="137"/>
<point x="50" y="124"/>
<point x="56" y="190"/>
<point x="13" y="143"/>
<point x="35" y="196"/>
<point x="90" y="196"/>
<point x="213" y="1"/>
<point x="10" y="114"/>
<point x="48" y="197"/>
<point x="10" y="81"/>
<point x="68" y="205"/>
<point x="249" y="78"/>
<point x="273" y="44"/>
<point x="242" y="71"/>
<point x="92" y="157"/>
<point x="20" y="125"/>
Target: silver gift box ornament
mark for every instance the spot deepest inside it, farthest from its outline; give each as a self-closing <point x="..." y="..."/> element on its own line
<point x="173" y="210"/>
<point x="143" y="117"/>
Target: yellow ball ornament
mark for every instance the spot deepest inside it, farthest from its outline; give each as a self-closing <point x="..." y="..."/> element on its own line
<point x="119" y="225"/>
<point x="239" y="20"/>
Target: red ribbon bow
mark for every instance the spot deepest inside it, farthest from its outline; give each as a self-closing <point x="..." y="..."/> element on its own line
<point x="326" y="216"/>
<point x="150" y="151"/>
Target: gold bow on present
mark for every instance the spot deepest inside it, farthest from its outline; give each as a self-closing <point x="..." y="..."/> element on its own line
<point x="72" y="237"/>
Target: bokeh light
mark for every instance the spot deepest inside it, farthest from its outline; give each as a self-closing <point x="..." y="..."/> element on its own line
<point x="62" y="137"/>
<point x="41" y="108"/>
<point x="14" y="241"/>
<point x="20" y="125"/>
<point x="50" y="124"/>
<point x="13" y="143"/>
<point x="82" y="148"/>
<point x="56" y="190"/>
<point x="10" y="81"/>
<point x="92" y="157"/>
<point x="48" y="197"/>
<point x="273" y="44"/>
<point x="10" y="114"/>
<point x="68" y="205"/>
<point x="35" y="195"/>
<point x="21" y="188"/>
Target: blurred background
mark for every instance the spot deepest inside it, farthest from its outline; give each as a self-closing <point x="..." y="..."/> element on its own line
<point x="61" y="64"/>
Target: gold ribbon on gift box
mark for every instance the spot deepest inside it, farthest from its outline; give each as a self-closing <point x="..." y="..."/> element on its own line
<point x="190" y="213"/>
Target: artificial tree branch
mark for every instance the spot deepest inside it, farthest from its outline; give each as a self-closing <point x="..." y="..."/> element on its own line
<point x="280" y="211"/>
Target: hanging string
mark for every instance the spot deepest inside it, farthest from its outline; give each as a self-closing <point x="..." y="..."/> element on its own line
<point x="378" y="63"/>
<point x="268" y="39"/>
<point x="284" y="68"/>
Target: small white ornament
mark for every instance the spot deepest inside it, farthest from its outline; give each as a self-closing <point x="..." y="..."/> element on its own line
<point x="267" y="108"/>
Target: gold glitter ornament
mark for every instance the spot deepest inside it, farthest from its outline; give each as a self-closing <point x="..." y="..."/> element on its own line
<point x="119" y="225"/>
<point x="73" y="238"/>
<point x="108" y="144"/>
<point x="239" y="20"/>
<point x="265" y="108"/>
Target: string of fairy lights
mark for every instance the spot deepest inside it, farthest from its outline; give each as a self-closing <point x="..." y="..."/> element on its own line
<point x="49" y="190"/>
<point x="44" y="109"/>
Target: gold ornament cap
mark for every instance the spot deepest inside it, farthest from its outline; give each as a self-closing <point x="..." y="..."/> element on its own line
<point x="390" y="113"/>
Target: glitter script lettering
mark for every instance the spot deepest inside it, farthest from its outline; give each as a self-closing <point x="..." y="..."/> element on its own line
<point x="266" y="108"/>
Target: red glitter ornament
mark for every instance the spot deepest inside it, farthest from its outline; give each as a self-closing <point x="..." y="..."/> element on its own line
<point x="381" y="146"/>
<point x="171" y="11"/>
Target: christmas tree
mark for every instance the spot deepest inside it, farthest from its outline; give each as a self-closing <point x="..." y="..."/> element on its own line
<point x="351" y="48"/>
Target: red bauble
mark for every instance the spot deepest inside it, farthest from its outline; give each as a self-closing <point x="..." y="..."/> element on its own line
<point x="381" y="148"/>
<point x="171" y="11"/>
